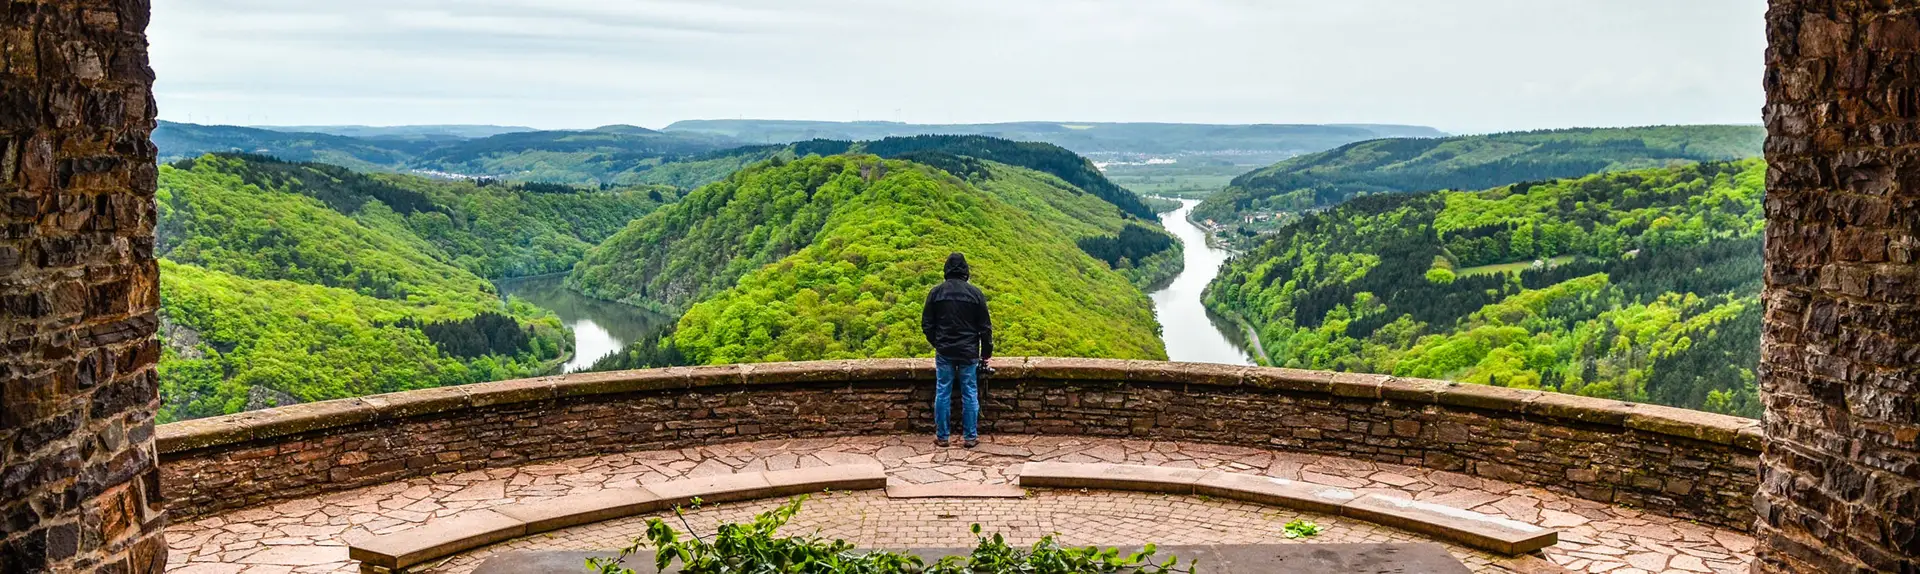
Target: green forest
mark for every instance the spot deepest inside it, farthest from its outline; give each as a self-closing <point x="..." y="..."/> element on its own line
<point x="1640" y="285"/>
<point x="827" y="257"/>
<point x="1634" y="275"/>
<point x="1469" y="162"/>
<point x="294" y="282"/>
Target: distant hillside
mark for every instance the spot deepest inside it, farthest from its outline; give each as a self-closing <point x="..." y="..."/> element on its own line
<point x="598" y="155"/>
<point x="829" y="257"/>
<point x="1081" y="137"/>
<point x="179" y="141"/>
<point x="607" y="155"/>
<point x="292" y="282"/>
<point x="426" y="131"/>
<point x="1470" y="162"/>
<point x="1640" y="285"/>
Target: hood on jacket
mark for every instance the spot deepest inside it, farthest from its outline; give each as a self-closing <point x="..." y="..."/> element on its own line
<point x="957" y="267"/>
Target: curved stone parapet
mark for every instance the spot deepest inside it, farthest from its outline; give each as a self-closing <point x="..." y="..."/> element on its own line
<point x="1675" y="462"/>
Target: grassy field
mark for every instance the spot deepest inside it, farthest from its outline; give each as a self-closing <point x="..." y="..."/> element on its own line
<point x="1515" y="267"/>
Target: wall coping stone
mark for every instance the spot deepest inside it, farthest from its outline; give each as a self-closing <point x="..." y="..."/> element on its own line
<point x="289" y="420"/>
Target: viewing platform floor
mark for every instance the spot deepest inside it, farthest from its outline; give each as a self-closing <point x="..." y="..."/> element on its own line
<point x="305" y="535"/>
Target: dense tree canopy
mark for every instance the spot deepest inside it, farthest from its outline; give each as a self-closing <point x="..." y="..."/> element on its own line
<point x="1640" y="285"/>
<point x="829" y="257"/>
<point x="299" y="282"/>
<point x="1470" y="162"/>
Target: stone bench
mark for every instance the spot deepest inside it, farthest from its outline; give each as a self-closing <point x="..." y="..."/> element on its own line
<point x="1460" y="526"/>
<point x="472" y="529"/>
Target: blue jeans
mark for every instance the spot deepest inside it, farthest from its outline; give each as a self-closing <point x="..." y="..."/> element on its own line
<point x="944" y="371"/>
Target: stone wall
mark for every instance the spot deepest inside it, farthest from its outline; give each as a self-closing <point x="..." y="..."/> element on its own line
<point x="1840" y="353"/>
<point x="77" y="290"/>
<point x="1672" y="461"/>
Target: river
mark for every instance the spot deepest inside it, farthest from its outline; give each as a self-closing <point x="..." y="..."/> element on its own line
<point x="1192" y="333"/>
<point x="600" y="328"/>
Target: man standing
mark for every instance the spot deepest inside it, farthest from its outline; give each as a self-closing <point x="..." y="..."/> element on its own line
<point x="956" y="323"/>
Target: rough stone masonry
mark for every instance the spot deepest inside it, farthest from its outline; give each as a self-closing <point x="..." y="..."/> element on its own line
<point x="78" y="290"/>
<point x="1840" y="366"/>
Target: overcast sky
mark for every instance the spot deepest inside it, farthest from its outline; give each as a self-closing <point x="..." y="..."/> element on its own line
<point x="1459" y="65"/>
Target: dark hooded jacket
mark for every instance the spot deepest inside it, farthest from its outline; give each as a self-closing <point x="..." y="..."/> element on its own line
<point x="955" y="318"/>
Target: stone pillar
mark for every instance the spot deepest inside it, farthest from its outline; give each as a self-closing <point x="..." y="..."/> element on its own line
<point x="78" y="289"/>
<point x="1840" y="354"/>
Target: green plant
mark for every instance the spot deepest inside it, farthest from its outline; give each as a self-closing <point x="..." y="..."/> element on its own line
<point x="1302" y="528"/>
<point x="754" y="548"/>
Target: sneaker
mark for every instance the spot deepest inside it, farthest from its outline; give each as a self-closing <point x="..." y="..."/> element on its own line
<point x="971" y="443"/>
<point x="940" y="442"/>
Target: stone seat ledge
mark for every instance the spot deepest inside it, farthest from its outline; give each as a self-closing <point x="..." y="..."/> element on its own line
<point x="472" y="529"/>
<point x="1461" y="526"/>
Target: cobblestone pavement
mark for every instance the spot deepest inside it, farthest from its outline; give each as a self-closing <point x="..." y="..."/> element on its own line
<point x="304" y="535"/>
<point x="1105" y="518"/>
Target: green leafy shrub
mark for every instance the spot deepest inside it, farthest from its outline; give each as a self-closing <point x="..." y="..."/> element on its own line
<point x="1302" y="528"/>
<point x="755" y="548"/>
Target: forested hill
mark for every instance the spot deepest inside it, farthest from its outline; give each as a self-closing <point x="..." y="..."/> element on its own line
<point x="1081" y="137"/>
<point x="1048" y="158"/>
<point x="1639" y="285"/>
<point x="183" y="141"/>
<point x="292" y="282"/>
<point x="1470" y="162"/>
<point x="599" y="155"/>
<point x="609" y="155"/>
<point x="829" y="257"/>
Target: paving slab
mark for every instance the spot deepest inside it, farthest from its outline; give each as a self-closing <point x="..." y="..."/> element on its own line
<point x="1397" y="558"/>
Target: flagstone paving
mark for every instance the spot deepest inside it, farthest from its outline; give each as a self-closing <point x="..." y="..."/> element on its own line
<point x="304" y="535"/>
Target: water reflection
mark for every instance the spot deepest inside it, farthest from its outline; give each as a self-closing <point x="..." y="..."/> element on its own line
<point x="600" y="328"/>
<point x="1192" y="333"/>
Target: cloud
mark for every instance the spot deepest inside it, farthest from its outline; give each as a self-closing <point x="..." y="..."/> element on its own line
<point x="1468" y="65"/>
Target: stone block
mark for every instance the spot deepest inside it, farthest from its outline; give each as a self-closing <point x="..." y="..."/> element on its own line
<point x="510" y="392"/>
<point x="1697" y="425"/>
<point x="199" y="433"/>
<point x="435" y="539"/>
<point x="1156" y="372"/>
<point x="797" y="372"/>
<point x="1486" y="397"/>
<point x="1358" y="385"/>
<point x="832" y="477"/>
<point x="1291" y="380"/>
<point x="1215" y="374"/>
<point x="1110" y="476"/>
<point x="408" y="404"/>
<point x="1071" y="368"/>
<point x="716" y="488"/>
<point x="1579" y="408"/>
<point x="1421" y="391"/>
<point x="577" y="509"/>
<point x="303" y="417"/>
<point x="716" y="376"/>
<point x="1274" y="491"/>
<point x="616" y="382"/>
<point x="895" y="369"/>
<point x="1464" y="527"/>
